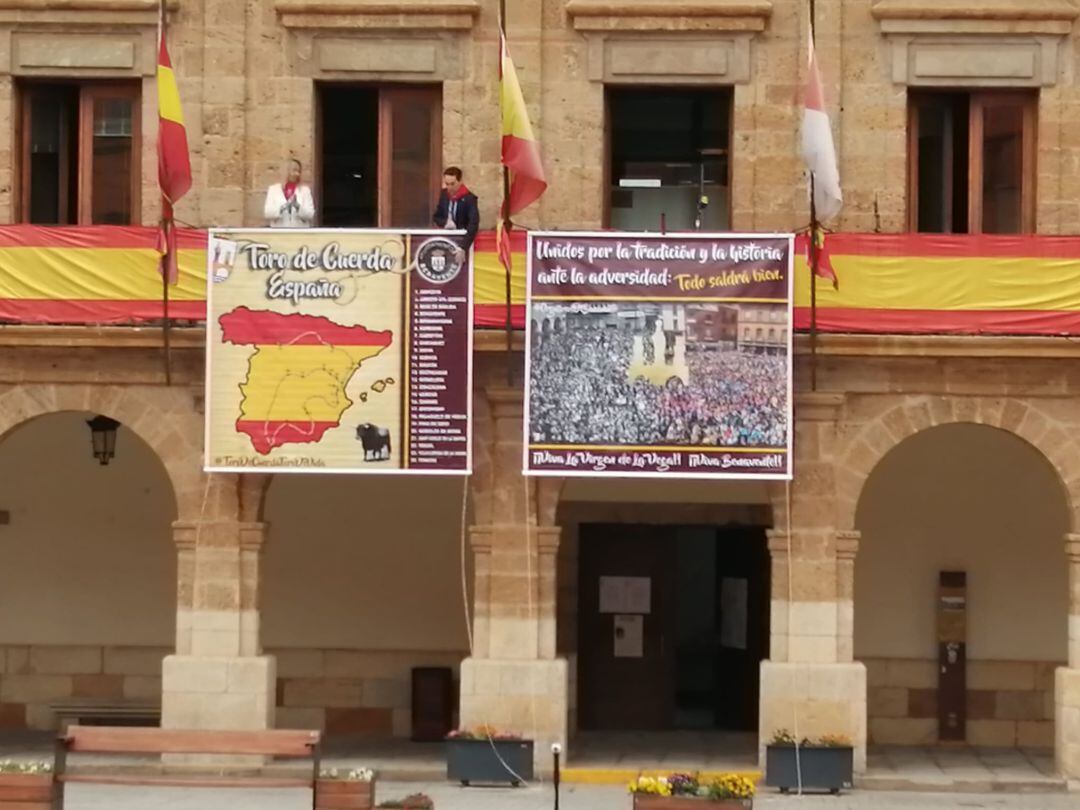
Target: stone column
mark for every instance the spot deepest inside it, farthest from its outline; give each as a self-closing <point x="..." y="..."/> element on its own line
<point x="513" y="679"/>
<point x="809" y="684"/>
<point x="218" y="678"/>
<point x="1067" y="680"/>
<point x="847" y="546"/>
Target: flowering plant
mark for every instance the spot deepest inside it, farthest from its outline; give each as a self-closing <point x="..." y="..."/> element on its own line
<point x="725" y="786"/>
<point x="683" y="784"/>
<point x="653" y="785"/>
<point x="29" y="768"/>
<point x="731" y="786"/>
<point x="348" y="774"/>
<point x="483" y="732"/>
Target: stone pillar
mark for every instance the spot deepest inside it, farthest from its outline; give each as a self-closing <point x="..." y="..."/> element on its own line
<point x="1067" y="680"/>
<point x="218" y="678"/>
<point x="809" y="685"/>
<point x="513" y="679"/>
<point x="847" y="546"/>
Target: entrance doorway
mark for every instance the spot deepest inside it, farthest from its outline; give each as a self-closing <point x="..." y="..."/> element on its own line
<point x="673" y="622"/>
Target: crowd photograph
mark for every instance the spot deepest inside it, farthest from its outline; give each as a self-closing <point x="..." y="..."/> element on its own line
<point x="586" y="387"/>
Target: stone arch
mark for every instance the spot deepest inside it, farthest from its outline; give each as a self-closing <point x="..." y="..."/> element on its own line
<point x="164" y="418"/>
<point x="871" y="442"/>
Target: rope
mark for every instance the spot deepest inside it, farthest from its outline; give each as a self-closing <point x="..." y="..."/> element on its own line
<point x="790" y="600"/>
<point x="468" y="615"/>
<point x="464" y="570"/>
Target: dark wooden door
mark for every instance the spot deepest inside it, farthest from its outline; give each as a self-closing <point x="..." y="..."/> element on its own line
<point x="626" y="690"/>
<point x="742" y="588"/>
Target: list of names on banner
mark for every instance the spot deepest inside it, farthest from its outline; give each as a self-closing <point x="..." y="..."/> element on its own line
<point x="438" y="410"/>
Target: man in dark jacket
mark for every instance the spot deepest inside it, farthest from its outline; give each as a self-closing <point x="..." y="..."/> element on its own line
<point x="458" y="208"/>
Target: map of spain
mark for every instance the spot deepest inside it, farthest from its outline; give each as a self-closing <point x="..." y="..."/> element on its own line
<point x="297" y="375"/>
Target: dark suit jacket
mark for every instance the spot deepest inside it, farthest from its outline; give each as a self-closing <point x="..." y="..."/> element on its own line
<point x="467" y="215"/>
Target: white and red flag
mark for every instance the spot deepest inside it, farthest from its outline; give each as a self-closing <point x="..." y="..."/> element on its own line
<point x="818" y="149"/>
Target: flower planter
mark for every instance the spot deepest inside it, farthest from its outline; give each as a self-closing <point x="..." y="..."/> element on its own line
<point x="647" y="801"/>
<point x="489" y="761"/>
<point x="823" y="768"/>
<point x="341" y="794"/>
<point x="26" y="791"/>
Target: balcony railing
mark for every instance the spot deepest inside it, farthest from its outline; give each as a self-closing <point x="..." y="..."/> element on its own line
<point x="888" y="283"/>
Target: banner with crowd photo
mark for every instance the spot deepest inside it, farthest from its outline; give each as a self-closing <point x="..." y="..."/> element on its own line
<point x="659" y="355"/>
<point x="338" y="351"/>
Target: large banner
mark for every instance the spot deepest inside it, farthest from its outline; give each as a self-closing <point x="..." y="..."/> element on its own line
<point x="338" y="351"/>
<point x="665" y="356"/>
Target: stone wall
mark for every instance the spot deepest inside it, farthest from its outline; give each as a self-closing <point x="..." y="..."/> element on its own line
<point x="35" y="678"/>
<point x="351" y="691"/>
<point x="1009" y="703"/>
<point x="247" y="74"/>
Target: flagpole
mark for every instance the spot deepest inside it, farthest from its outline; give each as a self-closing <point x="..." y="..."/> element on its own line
<point x="507" y="225"/>
<point x="165" y="225"/>
<point x="813" y="250"/>
<point x="814" y="253"/>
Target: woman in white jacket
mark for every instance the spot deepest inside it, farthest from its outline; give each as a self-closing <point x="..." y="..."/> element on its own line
<point x="289" y="204"/>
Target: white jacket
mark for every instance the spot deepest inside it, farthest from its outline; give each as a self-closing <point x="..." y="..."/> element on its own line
<point x="300" y="215"/>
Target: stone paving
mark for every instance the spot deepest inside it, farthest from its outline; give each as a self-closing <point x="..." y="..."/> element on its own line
<point x="961" y="768"/>
<point x="535" y="797"/>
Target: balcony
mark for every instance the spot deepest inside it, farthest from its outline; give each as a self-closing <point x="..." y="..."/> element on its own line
<point x="888" y="283"/>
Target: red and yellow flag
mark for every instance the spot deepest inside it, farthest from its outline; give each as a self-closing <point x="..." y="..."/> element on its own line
<point x="174" y="162"/>
<point x="520" y="151"/>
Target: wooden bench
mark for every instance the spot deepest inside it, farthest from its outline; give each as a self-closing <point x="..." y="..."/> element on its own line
<point x="130" y="740"/>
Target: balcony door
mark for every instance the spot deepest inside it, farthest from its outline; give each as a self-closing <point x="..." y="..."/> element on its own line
<point x="380" y="153"/>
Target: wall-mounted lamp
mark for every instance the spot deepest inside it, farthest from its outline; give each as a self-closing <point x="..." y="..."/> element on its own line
<point x="103" y="437"/>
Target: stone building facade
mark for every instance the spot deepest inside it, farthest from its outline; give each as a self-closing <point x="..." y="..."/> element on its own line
<point x="256" y="636"/>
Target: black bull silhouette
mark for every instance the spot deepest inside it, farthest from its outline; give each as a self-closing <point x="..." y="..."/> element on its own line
<point x="376" y="441"/>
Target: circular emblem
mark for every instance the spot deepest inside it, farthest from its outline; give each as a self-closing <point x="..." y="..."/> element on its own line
<point x="437" y="260"/>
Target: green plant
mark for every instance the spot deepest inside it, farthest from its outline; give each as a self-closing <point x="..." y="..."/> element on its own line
<point x="414" y="801"/>
<point x="482" y="733"/>
<point x="782" y="737"/>
<point x="834" y="741"/>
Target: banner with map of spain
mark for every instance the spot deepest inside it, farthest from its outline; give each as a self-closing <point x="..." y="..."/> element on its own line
<point x="338" y="351"/>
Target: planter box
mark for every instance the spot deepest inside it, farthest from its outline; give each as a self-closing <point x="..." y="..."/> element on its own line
<point x="26" y="791"/>
<point x="645" y="801"/>
<point x="340" y="794"/>
<point x="489" y="761"/>
<point x="828" y="769"/>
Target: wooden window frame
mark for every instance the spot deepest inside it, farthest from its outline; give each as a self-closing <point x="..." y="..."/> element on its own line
<point x="83" y="132"/>
<point x="388" y="95"/>
<point x="88" y="94"/>
<point x="609" y="139"/>
<point x="978" y="100"/>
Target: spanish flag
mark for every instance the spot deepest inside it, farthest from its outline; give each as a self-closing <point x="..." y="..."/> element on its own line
<point x="520" y="151"/>
<point x="174" y="162"/>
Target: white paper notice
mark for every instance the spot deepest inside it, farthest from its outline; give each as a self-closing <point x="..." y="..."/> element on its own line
<point x="625" y="594"/>
<point x="629" y="636"/>
<point x="733" y="613"/>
